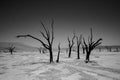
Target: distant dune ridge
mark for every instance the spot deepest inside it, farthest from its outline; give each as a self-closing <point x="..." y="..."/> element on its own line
<point x="18" y="46"/>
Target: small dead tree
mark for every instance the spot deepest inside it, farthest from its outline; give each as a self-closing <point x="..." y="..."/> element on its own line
<point x="58" y="53"/>
<point x="11" y="49"/>
<point x="91" y="45"/>
<point x="39" y="49"/>
<point x="78" y="39"/>
<point x="70" y="45"/>
<point x="100" y="49"/>
<point x="49" y="37"/>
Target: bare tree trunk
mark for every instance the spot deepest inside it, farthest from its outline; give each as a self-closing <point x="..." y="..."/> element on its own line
<point x="51" y="55"/>
<point x="71" y="43"/>
<point x="78" y="39"/>
<point x="58" y="57"/>
<point x="88" y="57"/>
<point x="83" y="48"/>
<point x="78" y="52"/>
<point x="69" y="52"/>
<point x="58" y="53"/>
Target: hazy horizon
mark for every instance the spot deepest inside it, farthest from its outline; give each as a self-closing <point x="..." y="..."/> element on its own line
<point x="23" y="17"/>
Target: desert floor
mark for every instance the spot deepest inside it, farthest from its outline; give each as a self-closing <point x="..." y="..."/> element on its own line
<point x="36" y="66"/>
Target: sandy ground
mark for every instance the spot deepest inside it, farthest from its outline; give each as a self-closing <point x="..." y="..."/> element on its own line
<point x="35" y="66"/>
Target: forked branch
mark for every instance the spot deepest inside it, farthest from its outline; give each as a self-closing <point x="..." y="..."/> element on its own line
<point x="91" y="45"/>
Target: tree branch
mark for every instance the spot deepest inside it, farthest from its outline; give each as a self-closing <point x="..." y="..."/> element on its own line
<point x="44" y="35"/>
<point x="45" y="45"/>
<point x="44" y="27"/>
<point x="86" y="46"/>
<point x="52" y="31"/>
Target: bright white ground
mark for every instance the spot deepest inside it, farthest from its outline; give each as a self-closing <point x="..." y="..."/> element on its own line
<point x="35" y="66"/>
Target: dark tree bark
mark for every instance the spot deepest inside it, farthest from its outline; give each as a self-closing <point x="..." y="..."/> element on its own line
<point x="69" y="52"/>
<point x="79" y="39"/>
<point x="49" y="37"/>
<point x="58" y="53"/>
<point x="71" y="43"/>
<point x="91" y="45"/>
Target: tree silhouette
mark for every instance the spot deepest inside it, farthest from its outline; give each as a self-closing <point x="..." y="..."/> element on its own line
<point x="11" y="49"/>
<point x="70" y="45"/>
<point x="91" y="45"/>
<point x="79" y="40"/>
<point x="49" y="37"/>
<point x="58" y="53"/>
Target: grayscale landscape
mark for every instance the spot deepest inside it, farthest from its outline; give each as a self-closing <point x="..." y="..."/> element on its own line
<point x="59" y="40"/>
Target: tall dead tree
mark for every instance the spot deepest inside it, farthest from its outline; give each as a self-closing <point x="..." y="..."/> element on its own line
<point x="79" y="40"/>
<point x="91" y="45"/>
<point x="70" y="45"/>
<point x="58" y="53"/>
<point x="49" y="37"/>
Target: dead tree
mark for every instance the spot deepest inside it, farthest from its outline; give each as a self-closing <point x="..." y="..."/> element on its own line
<point x="78" y="39"/>
<point x="49" y="37"/>
<point x="91" y="45"/>
<point x="70" y="45"/>
<point x="11" y="49"/>
<point x="100" y="49"/>
<point x="39" y="49"/>
<point x="58" y="53"/>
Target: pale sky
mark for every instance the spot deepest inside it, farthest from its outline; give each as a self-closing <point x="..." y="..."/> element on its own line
<point x="23" y="17"/>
